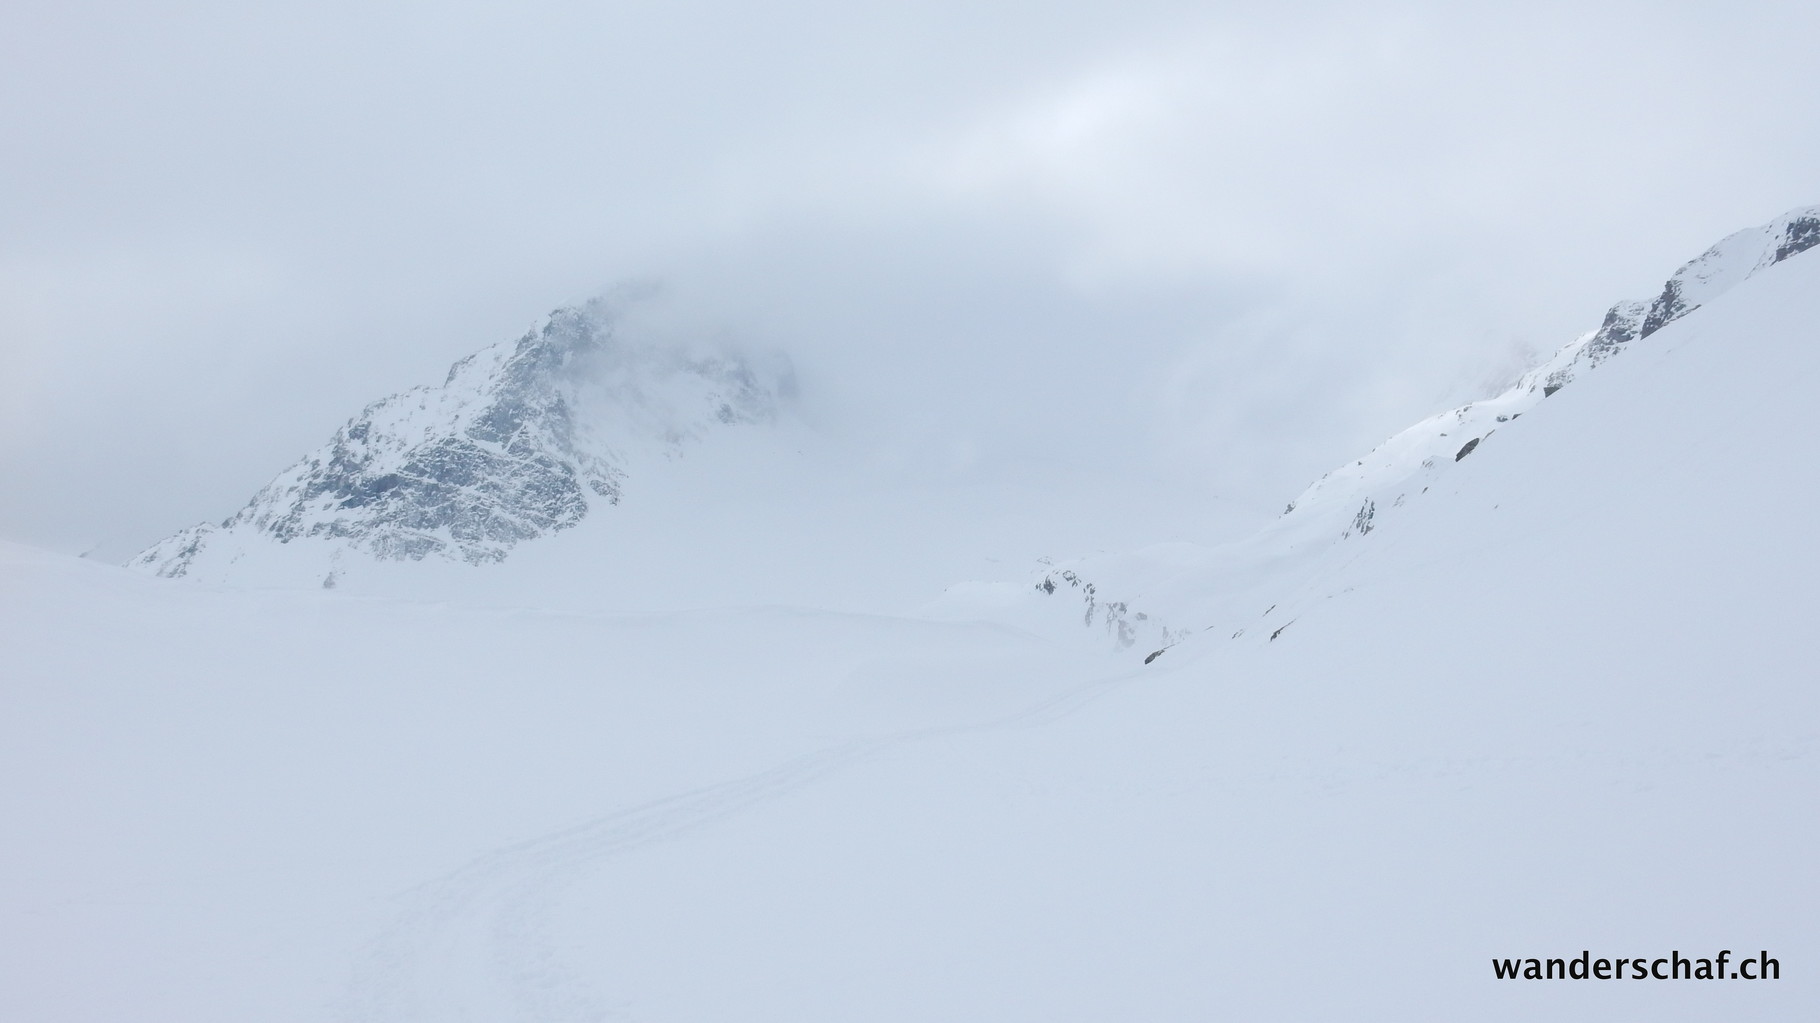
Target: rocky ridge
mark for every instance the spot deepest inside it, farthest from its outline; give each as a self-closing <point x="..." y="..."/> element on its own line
<point x="522" y="439"/>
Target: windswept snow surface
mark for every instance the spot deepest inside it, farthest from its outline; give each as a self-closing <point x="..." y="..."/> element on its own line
<point x="1563" y="702"/>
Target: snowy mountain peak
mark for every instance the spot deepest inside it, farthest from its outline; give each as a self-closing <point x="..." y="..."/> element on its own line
<point x="522" y="439"/>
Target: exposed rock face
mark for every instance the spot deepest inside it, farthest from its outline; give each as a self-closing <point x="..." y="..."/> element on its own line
<point x="1623" y="322"/>
<point x="1802" y="233"/>
<point x="1701" y="280"/>
<point x="1668" y="307"/>
<point x="519" y="441"/>
<point x="1121" y="623"/>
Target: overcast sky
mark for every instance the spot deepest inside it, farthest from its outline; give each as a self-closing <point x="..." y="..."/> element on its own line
<point x="1241" y="241"/>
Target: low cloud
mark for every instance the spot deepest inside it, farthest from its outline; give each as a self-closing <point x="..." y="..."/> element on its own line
<point x="1240" y="244"/>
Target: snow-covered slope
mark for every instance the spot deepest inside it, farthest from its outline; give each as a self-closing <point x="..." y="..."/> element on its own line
<point x="521" y="440"/>
<point x="1153" y="598"/>
<point x="1396" y="470"/>
<point x="217" y="801"/>
<point x="1562" y="702"/>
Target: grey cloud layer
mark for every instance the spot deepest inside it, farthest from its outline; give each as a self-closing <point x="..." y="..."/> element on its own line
<point x="1240" y="243"/>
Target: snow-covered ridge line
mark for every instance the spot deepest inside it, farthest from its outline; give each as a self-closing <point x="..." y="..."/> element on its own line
<point x="522" y="439"/>
<point x="1352" y="500"/>
<point x="1391" y="472"/>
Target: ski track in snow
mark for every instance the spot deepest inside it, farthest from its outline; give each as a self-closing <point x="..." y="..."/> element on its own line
<point x="474" y="945"/>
